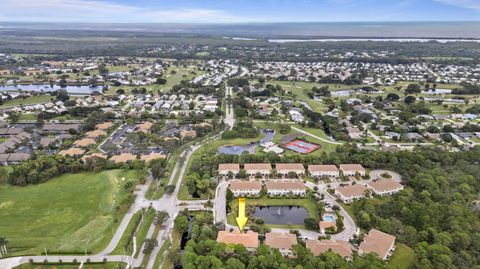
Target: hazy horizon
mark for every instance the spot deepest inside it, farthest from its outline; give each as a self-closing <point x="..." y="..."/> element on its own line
<point x="407" y="29"/>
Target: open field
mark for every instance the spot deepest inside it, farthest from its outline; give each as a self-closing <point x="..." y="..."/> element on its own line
<point x="402" y="258"/>
<point x="38" y="99"/>
<point x="66" y="214"/>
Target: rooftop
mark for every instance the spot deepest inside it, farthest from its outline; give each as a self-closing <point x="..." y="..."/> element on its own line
<point x="248" y="240"/>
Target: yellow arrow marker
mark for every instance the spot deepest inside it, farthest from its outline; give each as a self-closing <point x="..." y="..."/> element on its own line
<point x="241" y="219"/>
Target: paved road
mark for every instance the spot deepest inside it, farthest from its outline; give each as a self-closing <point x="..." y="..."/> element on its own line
<point x="229" y="116"/>
<point x="220" y="203"/>
<point x="376" y="174"/>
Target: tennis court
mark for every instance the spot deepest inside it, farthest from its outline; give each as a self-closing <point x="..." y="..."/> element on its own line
<point x="302" y="146"/>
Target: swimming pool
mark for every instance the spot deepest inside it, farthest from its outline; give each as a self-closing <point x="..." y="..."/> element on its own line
<point x="329" y="218"/>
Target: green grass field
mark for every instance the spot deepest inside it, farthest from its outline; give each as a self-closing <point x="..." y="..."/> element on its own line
<point x="38" y="99"/>
<point x="66" y="214"/>
<point x="402" y="258"/>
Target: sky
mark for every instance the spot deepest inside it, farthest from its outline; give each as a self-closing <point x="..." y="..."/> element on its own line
<point x="237" y="11"/>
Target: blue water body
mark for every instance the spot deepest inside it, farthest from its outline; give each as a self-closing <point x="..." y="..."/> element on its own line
<point x="281" y="214"/>
<point x="47" y="88"/>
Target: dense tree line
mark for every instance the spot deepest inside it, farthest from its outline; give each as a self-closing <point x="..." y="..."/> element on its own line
<point x="43" y="168"/>
<point x="203" y="252"/>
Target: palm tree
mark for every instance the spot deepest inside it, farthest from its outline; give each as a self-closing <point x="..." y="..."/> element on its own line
<point x="3" y="246"/>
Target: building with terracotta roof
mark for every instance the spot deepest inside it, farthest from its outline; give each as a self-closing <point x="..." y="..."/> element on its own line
<point x="104" y="126"/>
<point x="152" y="156"/>
<point x="73" y="152"/>
<point x="95" y="133"/>
<point x="245" y="188"/>
<point x="60" y="127"/>
<point x="94" y="155"/>
<point x="284" y="242"/>
<point x="325" y="224"/>
<point x="385" y="187"/>
<point x="84" y="143"/>
<point x="144" y="127"/>
<point x="323" y="170"/>
<point x="339" y="247"/>
<point x="378" y="242"/>
<point x="283" y="188"/>
<point x="249" y="239"/>
<point x="284" y="169"/>
<point x="350" y="193"/>
<point x="351" y="170"/>
<point x="123" y="158"/>
<point x="265" y="169"/>
<point x="225" y="168"/>
<point x="188" y="134"/>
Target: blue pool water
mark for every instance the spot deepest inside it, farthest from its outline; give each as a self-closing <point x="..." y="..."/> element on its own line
<point x="329" y="218"/>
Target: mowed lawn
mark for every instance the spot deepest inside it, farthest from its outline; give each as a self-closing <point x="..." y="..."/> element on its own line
<point x="64" y="214"/>
<point x="403" y="258"/>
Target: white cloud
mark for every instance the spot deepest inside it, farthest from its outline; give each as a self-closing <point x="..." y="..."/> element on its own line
<point x="96" y="11"/>
<point x="470" y="4"/>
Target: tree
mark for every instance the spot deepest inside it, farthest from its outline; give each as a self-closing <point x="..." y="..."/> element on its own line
<point x="413" y="88"/>
<point x="181" y="223"/>
<point x="62" y="95"/>
<point x="150" y="244"/>
<point x="409" y="100"/>
<point x="393" y="97"/>
<point x="311" y="223"/>
<point x="233" y="263"/>
<point x="161" y="81"/>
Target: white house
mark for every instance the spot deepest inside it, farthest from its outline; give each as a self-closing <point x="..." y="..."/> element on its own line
<point x="283" y="188"/>
<point x="351" y="170"/>
<point x="284" y="169"/>
<point x="245" y="188"/>
<point x="328" y="170"/>
<point x="264" y="169"/>
<point x="350" y="193"/>
<point x="225" y="168"/>
<point x="385" y="187"/>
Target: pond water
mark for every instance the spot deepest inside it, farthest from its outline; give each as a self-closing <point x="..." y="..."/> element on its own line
<point x="46" y="88"/>
<point x="281" y="214"/>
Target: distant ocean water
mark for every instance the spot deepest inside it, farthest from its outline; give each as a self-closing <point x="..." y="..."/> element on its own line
<point x="452" y="30"/>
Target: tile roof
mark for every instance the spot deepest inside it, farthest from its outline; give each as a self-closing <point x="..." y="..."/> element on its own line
<point x="123" y="158"/>
<point x="385" y="185"/>
<point x="289" y="166"/>
<point x="257" y="166"/>
<point x="288" y="185"/>
<point x="248" y="240"/>
<point x="245" y="185"/>
<point x="322" y="168"/>
<point x="104" y="126"/>
<point x="72" y="152"/>
<point x="377" y="242"/>
<point x="351" y="167"/>
<point x="229" y="167"/>
<point x="352" y="190"/>
<point x="280" y="240"/>
<point x="340" y="247"/>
